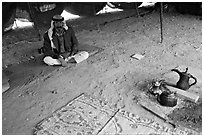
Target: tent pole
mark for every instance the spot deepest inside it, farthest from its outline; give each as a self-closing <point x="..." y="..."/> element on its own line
<point x="34" y="20"/>
<point x="136" y="9"/>
<point x="161" y="20"/>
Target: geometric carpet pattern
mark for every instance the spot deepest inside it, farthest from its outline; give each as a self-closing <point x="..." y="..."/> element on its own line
<point x="82" y="116"/>
<point x="86" y="115"/>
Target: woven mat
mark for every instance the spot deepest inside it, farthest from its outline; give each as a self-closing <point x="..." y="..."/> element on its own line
<point x="86" y="115"/>
<point x="127" y="123"/>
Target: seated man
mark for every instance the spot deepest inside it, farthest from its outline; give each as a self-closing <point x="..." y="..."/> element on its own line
<point x="60" y="44"/>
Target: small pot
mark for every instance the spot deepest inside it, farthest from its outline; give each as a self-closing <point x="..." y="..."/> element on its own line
<point x="167" y="99"/>
<point x="155" y="87"/>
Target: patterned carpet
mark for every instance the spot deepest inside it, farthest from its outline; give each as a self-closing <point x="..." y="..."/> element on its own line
<point x="86" y="115"/>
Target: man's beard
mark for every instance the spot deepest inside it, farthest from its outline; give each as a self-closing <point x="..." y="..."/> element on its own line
<point x="59" y="31"/>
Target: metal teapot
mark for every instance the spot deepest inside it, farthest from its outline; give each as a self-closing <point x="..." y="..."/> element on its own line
<point x="167" y="98"/>
<point x="155" y="87"/>
<point x="183" y="82"/>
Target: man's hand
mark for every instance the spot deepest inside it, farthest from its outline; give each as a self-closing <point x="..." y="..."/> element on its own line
<point x="61" y="56"/>
<point x="66" y="55"/>
<point x="71" y="54"/>
<point x="68" y="58"/>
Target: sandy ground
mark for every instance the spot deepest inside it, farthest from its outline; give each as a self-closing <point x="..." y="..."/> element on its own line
<point x="111" y="74"/>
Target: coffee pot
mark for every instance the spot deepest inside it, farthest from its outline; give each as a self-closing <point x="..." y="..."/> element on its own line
<point x="183" y="82"/>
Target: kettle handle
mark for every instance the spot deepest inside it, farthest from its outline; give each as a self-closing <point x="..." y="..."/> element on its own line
<point x="195" y="81"/>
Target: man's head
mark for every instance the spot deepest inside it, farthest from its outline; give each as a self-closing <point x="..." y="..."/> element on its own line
<point x="58" y="21"/>
<point x="58" y="24"/>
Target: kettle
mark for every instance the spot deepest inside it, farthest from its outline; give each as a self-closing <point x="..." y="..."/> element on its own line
<point x="183" y="82"/>
<point x="167" y="99"/>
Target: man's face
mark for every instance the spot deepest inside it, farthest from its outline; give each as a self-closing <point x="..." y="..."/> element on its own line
<point x="58" y="24"/>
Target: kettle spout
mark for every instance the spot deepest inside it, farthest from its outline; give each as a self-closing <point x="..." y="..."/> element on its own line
<point x="186" y="70"/>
